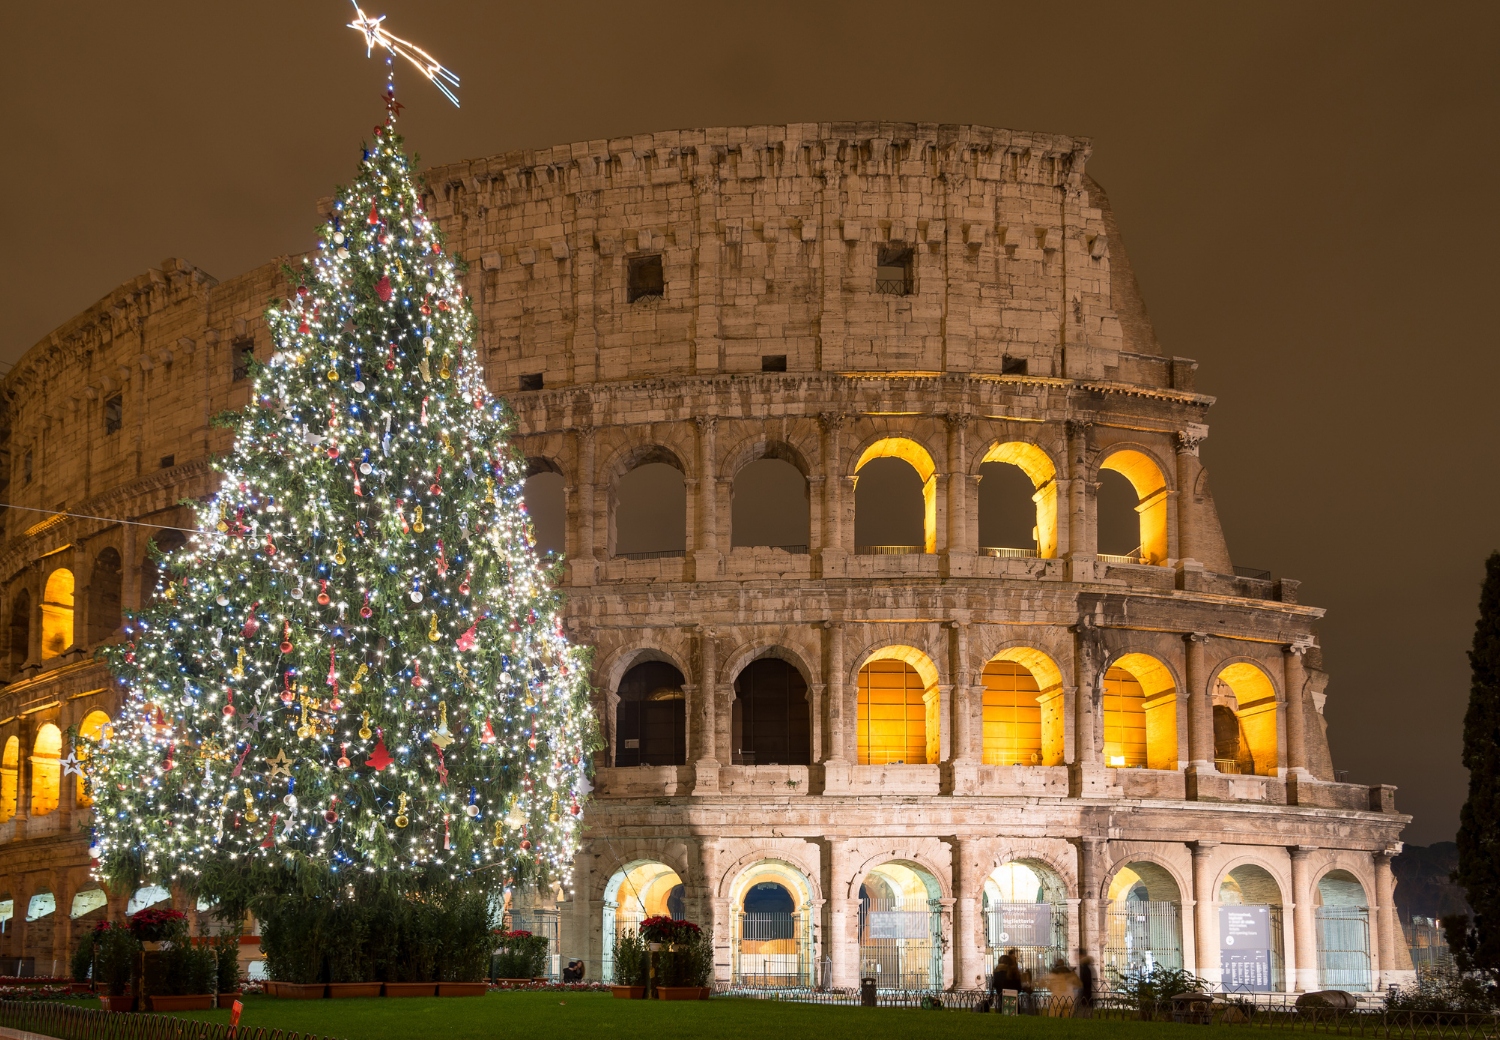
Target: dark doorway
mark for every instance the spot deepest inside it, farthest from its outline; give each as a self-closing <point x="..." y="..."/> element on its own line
<point x="651" y="721"/>
<point x="771" y="724"/>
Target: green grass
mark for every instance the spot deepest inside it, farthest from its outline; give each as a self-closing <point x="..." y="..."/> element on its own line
<point x="591" y="1016"/>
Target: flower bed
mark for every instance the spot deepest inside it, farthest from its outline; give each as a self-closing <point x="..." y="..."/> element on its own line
<point x="552" y="987"/>
<point x="44" y="991"/>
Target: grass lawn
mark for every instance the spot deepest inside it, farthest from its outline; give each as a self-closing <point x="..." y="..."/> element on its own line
<point x="591" y="1016"/>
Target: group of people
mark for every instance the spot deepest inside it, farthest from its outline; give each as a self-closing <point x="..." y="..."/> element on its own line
<point x="1069" y="992"/>
<point x="573" y="972"/>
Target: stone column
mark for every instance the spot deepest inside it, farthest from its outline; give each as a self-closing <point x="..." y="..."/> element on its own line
<point x="706" y="764"/>
<point x="842" y="942"/>
<point x="1091" y="931"/>
<point x="960" y="540"/>
<point x="1304" y="921"/>
<point x="1386" y="929"/>
<point x="706" y="534"/>
<point x="1296" y="712"/>
<point x="1188" y="467"/>
<point x="834" y="550"/>
<point x="1199" y="705"/>
<point x="840" y="723"/>
<point x="1082" y="544"/>
<point x="130" y="565"/>
<point x="1205" y="913"/>
<point x="1088" y="776"/>
<point x="582" y="565"/>
<point x="963" y="708"/>
<point x="968" y="954"/>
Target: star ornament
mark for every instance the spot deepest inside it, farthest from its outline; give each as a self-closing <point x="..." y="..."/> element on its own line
<point x="369" y="26"/>
<point x="280" y="765"/>
<point x="71" y="766"/>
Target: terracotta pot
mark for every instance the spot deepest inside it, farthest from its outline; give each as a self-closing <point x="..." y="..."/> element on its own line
<point x="297" y="990"/>
<point x="226" y="1000"/>
<point x="353" y="989"/>
<point x="704" y="992"/>
<point x="180" y="1001"/>
<point x="410" y="989"/>
<point x="121" y="1003"/>
<point x="463" y="989"/>
<point x="628" y="992"/>
<point x="678" y="992"/>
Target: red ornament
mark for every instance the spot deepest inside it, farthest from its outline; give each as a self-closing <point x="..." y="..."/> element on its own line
<point x="487" y="735"/>
<point x="330" y="814"/>
<point x="286" y="638"/>
<point x="302" y="327"/>
<point x="442" y="561"/>
<point x="380" y="757"/>
<point x="436" y="488"/>
<point x="270" y="546"/>
<point x="574" y="809"/>
<point x="383" y="289"/>
<point x="442" y="305"/>
<point x="323" y="598"/>
<point x="130" y="654"/>
<point x="366" y="611"/>
<point x="270" y="841"/>
<point x="525" y="845"/>
<point x="465" y="642"/>
<point x="416" y="674"/>
<point x="252" y="623"/>
<point x="390" y="359"/>
<point x="374" y="213"/>
<point x="343" y="762"/>
<point x="229" y="702"/>
<point x="287" y="695"/>
<point x="463" y="586"/>
<point x="354" y="468"/>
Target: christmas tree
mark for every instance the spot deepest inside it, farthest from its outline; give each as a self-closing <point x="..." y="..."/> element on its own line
<point x="356" y="668"/>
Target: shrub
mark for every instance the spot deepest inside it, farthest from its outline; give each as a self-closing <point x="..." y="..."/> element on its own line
<point x="519" y="955"/>
<point x="1446" y="989"/>
<point x="1152" y="989"/>
<point x="81" y="966"/>
<point x="630" y="960"/>
<point x="114" y="961"/>
<point x="227" y="962"/>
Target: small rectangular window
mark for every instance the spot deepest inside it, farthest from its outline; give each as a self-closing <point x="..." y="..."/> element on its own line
<point x="243" y="351"/>
<point x="114" y="413"/>
<point x="26" y="468"/>
<point x="168" y="461"/>
<point x="645" y="278"/>
<point x="893" y="271"/>
<point x="531" y="381"/>
<point x="773" y="362"/>
<point x="1012" y="366"/>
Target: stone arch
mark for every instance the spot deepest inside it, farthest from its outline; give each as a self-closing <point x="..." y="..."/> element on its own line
<point x="46" y="770"/>
<point x="10" y="778"/>
<point x="1148" y="476"/>
<point x="1021" y="709"/>
<point x="773" y="949"/>
<point x="1032" y="460"/>
<point x="95" y="727"/>
<point x="900" y="923"/>
<point x="770" y="499"/>
<point x="1061" y="863"/>
<point x="650" y="714"/>
<point x="1250" y="879"/>
<point x="914" y="857"/>
<point x="1143" y="932"/>
<point x="1246" y="713"/>
<point x="57" y="613"/>
<point x="897" y="708"/>
<point x="20" y="630"/>
<point x="1024" y="907"/>
<point x="1140" y="712"/>
<point x="105" y="584"/>
<point x="1161" y="872"/>
<point x="758" y="446"/>
<point x="647" y="506"/>
<point x="737" y="871"/>
<point x="545" y="499"/>
<point x="771" y="709"/>
<point x="916" y="455"/>
<point x="755" y="649"/>
<point x="633" y="891"/>
<point x="1341" y="910"/>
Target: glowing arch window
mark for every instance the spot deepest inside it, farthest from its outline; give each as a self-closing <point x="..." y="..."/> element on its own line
<point x="1140" y="714"/>
<point x="998" y="510"/>
<point x="93" y="730"/>
<point x="1022" y="710"/>
<point x="1245" y="721"/>
<point x="770" y="723"/>
<point x="85" y="903"/>
<point x="898" y="710"/>
<point x="150" y="895"/>
<point x="46" y="770"/>
<point x="43" y="904"/>
<point x="10" y="778"/>
<point x="871" y="510"/>
<point x="57" y="613"/>
<point x="1151" y="501"/>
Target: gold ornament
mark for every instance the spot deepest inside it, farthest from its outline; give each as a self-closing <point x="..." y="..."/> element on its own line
<point x="223" y="524"/>
<point x="416" y="524"/>
<point x="553" y="814"/>
<point x="385" y="189"/>
<point x="338" y="554"/>
<point x="357" y="687"/>
<point x="443" y="737"/>
<point x="280" y="765"/>
<point x="305" y="730"/>
<point x="432" y="632"/>
<point x="239" y="665"/>
<point x="333" y="375"/>
<point x="489" y="487"/>
<point x="250" y="814"/>
<point x="499" y="841"/>
<point x="365" y="733"/>
<point x="401" y="820"/>
<point x="425" y="369"/>
<point x="444" y="370"/>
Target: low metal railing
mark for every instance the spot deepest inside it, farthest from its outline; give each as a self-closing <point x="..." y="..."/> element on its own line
<point x="887" y="550"/>
<point x="664" y="554"/>
<point x="70" y="1022"/>
<point x="1112" y="558"/>
<point x="1009" y="554"/>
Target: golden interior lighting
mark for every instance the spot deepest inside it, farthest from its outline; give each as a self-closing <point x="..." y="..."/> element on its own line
<point x="898" y="708"/>
<point x="1254" y="704"/>
<point x="1038" y="467"/>
<point x="1151" y="495"/>
<point x="916" y="456"/>
<point x="1140" y="714"/>
<point x="46" y="770"/>
<point x="57" y="613"/>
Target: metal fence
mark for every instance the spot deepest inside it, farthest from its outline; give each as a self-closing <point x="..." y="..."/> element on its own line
<point x="70" y="1022"/>
<point x="1038" y="932"/>
<point x="771" y="950"/>
<point x="546" y="923"/>
<point x="1343" y="947"/>
<point x="1428" y="944"/>
<point x="901" y="944"/>
<point x="1142" y="935"/>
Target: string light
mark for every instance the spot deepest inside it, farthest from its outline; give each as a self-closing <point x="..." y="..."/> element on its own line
<point x="377" y="36"/>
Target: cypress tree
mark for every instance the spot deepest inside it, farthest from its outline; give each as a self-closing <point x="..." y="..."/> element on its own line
<point x="1479" y="821"/>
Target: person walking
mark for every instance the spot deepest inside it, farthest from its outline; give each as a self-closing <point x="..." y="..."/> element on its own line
<point x="1085" y="1006"/>
<point x="1063" y="986"/>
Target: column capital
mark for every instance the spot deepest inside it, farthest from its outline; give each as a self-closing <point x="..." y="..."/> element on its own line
<point x="1301" y="645"/>
<point x="958" y="420"/>
<point x="1196" y="637"/>
<point x="706" y="423"/>
<point x="1191" y="435"/>
<point x="1201" y="848"/>
<point x="832" y="422"/>
<point x="1300" y="851"/>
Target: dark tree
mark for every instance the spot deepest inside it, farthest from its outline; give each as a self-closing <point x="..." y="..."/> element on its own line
<point x="1479" y="822"/>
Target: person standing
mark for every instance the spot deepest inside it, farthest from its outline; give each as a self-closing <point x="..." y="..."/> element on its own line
<point x="1085" y="1007"/>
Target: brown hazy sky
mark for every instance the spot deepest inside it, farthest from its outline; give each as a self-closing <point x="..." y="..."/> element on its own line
<point x="1306" y="191"/>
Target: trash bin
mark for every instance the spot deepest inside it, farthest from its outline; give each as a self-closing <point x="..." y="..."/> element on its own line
<point x="866" y="992"/>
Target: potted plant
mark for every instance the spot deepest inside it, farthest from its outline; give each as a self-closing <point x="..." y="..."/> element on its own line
<point x="155" y="925"/>
<point x="190" y="977"/>
<point x="81" y="965"/>
<point x="630" y="967"/>
<point x="519" y="956"/>
<point x="227" y="981"/>
<point x="673" y="943"/>
<point x="114" y="964"/>
<point x="464" y="952"/>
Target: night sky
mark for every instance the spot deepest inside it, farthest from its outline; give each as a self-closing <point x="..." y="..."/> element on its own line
<point x="1306" y="192"/>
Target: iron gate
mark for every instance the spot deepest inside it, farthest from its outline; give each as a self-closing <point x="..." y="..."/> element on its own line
<point x="1141" y="936"/>
<point x="546" y="923"/>
<point x="1343" y="947"/>
<point x="901" y="944"/>
<point x="772" y="950"/>
<point x="1038" y="932"/>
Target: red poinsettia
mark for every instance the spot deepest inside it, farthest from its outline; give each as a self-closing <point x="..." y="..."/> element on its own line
<point x="155" y="923"/>
<point x="667" y="930"/>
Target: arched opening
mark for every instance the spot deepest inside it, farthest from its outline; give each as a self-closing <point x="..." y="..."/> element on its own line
<point x="20" y="630"/>
<point x="901" y="928"/>
<point x="1149" y="490"/>
<point x="88" y="902"/>
<point x="897" y="722"/>
<point x="1245" y="721"/>
<point x="651" y="719"/>
<point x="1250" y="931"/>
<point x="895" y="499"/>
<point x="771" y="719"/>
<point x="1022" y="710"/>
<point x="638" y="890"/>
<point x="46" y="770"/>
<point x="57" y="613"/>
<point x="1144" y="925"/>
<point x="93" y="730"/>
<point x="10" y="778"/>
<point x="1018" y="501"/>
<point x="650" y="515"/>
<point x="546" y="506"/>
<point x="104" y="596"/>
<point x="148" y="895"/>
<point x="769" y="506"/>
<point x="42" y="904"/>
<point x="1140" y="714"/>
<point x="1343" y="923"/>
<point x="152" y="570"/>
<point x="771" y="933"/>
<point x="1025" y="910"/>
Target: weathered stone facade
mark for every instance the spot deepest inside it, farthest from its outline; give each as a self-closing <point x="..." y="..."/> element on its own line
<point x="952" y="296"/>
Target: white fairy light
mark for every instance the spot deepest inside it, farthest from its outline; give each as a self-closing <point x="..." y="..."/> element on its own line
<point x="377" y="36"/>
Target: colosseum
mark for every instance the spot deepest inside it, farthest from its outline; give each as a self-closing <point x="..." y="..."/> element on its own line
<point x="833" y="424"/>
